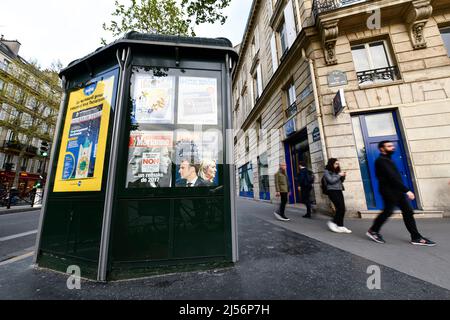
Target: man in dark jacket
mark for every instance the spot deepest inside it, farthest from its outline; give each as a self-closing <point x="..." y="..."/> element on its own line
<point x="305" y="182"/>
<point x="395" y="194"/>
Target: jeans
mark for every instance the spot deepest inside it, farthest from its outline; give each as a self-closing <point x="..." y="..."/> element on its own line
<point x="284" y="200"/>
<point x="337" y="197"/>
<point x="407" y="212"/>
<point x="306" y="198"/>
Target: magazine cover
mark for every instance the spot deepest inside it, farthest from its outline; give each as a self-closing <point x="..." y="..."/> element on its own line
<point x="197" y="156"/>
<point x="198" y="101"/>
<point x="149" y="160"/>
<point x="153" y="98"/>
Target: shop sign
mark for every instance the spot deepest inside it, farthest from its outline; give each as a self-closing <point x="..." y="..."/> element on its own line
<point x="339" y="102"/>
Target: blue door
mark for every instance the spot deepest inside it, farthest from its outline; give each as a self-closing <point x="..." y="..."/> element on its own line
<point x="376" y="128"/>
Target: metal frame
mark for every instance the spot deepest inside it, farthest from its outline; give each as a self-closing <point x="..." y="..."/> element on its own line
<point x="230" y="163"/>
<point x="123" y="61"/>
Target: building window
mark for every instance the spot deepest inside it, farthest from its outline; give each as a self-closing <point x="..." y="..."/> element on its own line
<point x="257" y="82"/>
<point x="246" y="181"/>
<point x="291" y="101"/>
<point x="445" y="33"/>
<point x="255" y="43"/>
<point x="27" y="120"/>
<point x="283" y="38"/>
<point x="373" y="63"/>
<point x="247" y="144"/>
<point x="3" y="113"/>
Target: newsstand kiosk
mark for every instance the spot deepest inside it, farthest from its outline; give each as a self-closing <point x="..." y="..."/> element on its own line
<point x="141" y="177"/>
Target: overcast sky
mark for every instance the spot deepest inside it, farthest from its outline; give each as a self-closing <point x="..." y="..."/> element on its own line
<point x="67" y="30"/>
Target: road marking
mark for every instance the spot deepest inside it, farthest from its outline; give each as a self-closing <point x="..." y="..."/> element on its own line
<point x="16" y="259"/>
<point x="20" y="235"/>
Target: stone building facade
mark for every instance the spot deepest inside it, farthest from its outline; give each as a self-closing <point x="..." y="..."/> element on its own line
<point x="29" y="105"/>
<point x="321" y="79"/>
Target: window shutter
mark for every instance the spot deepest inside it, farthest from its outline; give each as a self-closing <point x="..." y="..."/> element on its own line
<point x="273" y="47"/>
<point x="259" y="80"/>
<point x="290" y="23"/>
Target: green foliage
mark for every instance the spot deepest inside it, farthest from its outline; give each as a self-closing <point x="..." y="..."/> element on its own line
<point x="170" y="17"/>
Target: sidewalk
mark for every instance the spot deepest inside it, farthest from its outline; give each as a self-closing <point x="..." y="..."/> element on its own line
<point x="19" y="209"/>
<point x="276" y="262"/>
<point x="429" y="264"/>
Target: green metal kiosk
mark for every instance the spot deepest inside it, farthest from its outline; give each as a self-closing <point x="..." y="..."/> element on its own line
<point x="141" y="179"/>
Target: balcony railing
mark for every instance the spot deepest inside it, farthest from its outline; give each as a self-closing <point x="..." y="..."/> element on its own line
<point x="379" y="75"/>
<point x="323" y="6"/>
<point x="292" y="110"/>
<point x="18" y="146"/>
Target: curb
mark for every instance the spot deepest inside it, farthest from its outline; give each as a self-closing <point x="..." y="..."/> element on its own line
<point x="5" y="212"/>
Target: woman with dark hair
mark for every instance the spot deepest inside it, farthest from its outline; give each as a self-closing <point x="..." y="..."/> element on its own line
<point x="334" y="178"/>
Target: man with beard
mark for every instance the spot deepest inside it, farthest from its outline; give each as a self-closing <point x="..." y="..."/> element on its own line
<point x="394" y="194"/>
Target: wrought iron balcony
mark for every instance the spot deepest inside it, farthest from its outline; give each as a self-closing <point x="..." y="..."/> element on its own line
<point x="17" y="147"/>
<point x="323" y="6"/>
<point x="379" y="75"/>
<point x="292" y="110"/>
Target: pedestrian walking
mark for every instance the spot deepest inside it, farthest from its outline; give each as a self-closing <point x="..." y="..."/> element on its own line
<point x="282" y="188"/>
<point x="334" y="179"/>
<point x="306" y="182"/>
<point x="394" y="194"/>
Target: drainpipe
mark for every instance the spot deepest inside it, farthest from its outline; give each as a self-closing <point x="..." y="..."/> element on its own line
<point x="318" y="109"/>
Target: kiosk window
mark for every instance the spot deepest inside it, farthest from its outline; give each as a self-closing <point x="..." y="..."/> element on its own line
<point x="175" y="131"/>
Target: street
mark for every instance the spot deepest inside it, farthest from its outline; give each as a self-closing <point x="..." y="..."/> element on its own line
<point x="296" y="260"/>
<point x="18" y="234"/>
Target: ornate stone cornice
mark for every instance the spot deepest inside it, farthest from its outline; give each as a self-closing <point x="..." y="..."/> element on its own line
<point x="329" y="31"/>
<point x="417" y="17"/>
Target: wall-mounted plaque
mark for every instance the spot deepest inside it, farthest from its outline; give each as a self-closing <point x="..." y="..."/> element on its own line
<point x="316" y="135"/>
<point x="337" y="78"/>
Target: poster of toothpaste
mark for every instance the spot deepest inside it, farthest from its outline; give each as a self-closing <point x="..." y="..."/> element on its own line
<point x="198" y="100"/>
<point x="81" y="153"/>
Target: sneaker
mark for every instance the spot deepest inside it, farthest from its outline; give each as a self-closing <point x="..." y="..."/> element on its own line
<point x="281" y="218"/>
<point x="375" y="236"/>
<point x="307" y="216"/>
<point x="345" y="230"/>
<point x="334" y="228"/>
<point x="424" y="242"/>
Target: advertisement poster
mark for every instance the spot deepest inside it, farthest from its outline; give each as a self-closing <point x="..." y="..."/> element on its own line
<point x="149" y="160"/>
<point x="198" y="101"/>
<point x="197" y="156"/>
<point x="153" y="99"/>
<point x="82" y="153"/>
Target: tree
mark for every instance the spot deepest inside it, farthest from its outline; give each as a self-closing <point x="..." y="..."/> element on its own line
<point x="170" y="17"/>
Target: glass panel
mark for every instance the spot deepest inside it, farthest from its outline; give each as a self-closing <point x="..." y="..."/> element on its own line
<point x="291" y="94"/>
<point x="141" y="231"/>
<point x="175" y="130"/>
<point x="360" y="58"/>
<point x="363" y="163"/>
<point x="380" y="125"/>
<point x="379" y="55"/>
<point x="195" y="221"/>
<point x="246" y="180"/>
<point x="446" y="38"/>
